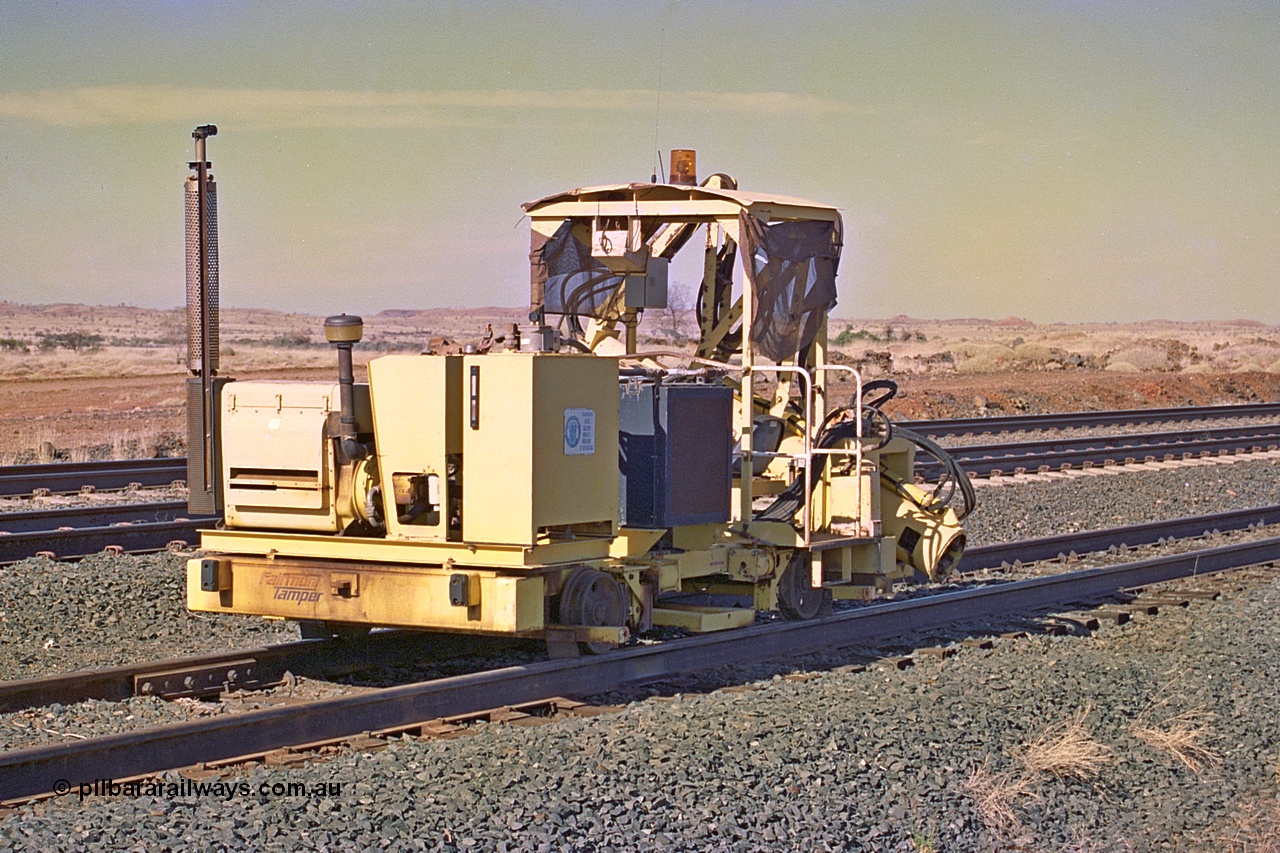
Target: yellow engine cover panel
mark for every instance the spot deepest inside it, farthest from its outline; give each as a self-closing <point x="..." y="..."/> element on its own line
<point x="540" y="445"/>
<point x="277" y="466"/>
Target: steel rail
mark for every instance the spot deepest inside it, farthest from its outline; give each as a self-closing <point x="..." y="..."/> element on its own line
<point x="82" y="542"/>
<point x="1032" y="455"/>
<point x="1092" y="541"/>
<point x="64" y="477"/>
<point x="95" y="515"/>
<point x="37" y="770"/>
<point x="1071" y="420"/>
<point x="267" y="666"/>
<point x="1257" y="432"/>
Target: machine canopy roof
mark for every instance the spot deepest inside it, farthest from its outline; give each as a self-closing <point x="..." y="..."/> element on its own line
<point x="791" y="253"/>
<point x="693" y="200"/>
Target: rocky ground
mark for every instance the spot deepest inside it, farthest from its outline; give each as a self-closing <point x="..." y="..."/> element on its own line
<point x="1157" y="735"/>
<point x="85" y="418"/>
<point x="941" y="757"/>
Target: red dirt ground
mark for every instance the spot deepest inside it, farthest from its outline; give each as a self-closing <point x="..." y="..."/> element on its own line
<point x="72" y="413"/>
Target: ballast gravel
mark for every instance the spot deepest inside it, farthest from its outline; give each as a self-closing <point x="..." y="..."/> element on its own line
<point x="845" y="759"/>
<point x="109" y="610"/>
<point x="1026" y="508"/>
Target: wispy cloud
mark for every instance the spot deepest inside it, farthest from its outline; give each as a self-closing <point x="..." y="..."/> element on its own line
<point x="99" y="105"/>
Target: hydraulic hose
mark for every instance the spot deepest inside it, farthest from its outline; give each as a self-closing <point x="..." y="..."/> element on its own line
<point x="834" y="430"/>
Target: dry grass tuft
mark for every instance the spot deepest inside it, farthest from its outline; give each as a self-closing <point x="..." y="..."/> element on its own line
<point x="1067" y="749"/>
<point x="1064" y="749"/>
<point x="994" y="795"/>
<point x="1254" y="828"/>
<point x="1185" y="737"/>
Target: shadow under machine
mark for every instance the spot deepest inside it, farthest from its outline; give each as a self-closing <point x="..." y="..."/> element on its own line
<point x="567" y="485"/>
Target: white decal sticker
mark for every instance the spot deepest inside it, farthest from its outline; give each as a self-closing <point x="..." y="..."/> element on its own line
<point x="579" y="432"/>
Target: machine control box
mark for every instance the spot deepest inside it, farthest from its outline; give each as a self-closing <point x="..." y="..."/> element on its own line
<point x="675" y="450"/>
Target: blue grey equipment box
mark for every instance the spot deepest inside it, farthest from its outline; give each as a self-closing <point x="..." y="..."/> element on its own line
<point x="675" y="449"/>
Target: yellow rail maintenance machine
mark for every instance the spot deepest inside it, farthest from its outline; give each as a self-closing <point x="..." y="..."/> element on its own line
<point x="570" y="487"/>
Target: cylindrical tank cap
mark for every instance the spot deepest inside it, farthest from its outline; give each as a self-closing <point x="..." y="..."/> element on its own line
<point x="343" y="329"/>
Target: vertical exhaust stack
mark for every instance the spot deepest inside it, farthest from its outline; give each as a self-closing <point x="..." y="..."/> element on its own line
<point x="203" y="457"/>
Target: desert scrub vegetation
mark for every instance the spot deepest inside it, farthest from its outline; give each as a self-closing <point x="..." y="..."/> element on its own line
<point x="995" y="796"/>
<point x="849" y="335"/>
<point x="1140" y="359"/>
<point x="74" y="341"/>
<point x="983" y="358"/>
<point x="101" y="363"/>
<point x="40" y="446"/>
<point x="1254" y="827"/>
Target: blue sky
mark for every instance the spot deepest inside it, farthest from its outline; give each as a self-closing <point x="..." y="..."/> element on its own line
<point x="1061" y="161"/>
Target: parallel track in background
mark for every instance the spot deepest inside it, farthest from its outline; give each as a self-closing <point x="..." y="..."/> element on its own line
<point x="1066" y="453"/>
<point x="68" y="477"/>
<point x="1076" y="420"/>
<point x="63" y="519"/>
<point x="140" y="538"/>
<point x="79" y="531"/>
<point x="71" y="477"/>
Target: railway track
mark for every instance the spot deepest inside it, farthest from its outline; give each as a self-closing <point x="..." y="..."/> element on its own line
<point x="256" y="668"/>
<point x="74" y="533"/>
<point x="78" y="531"/>
<point x="264" y="666"/>
<point x="60" y="519"/>
<point x="34" y="771"/>
<point x="407" y="709"/>
<point x="1067" y="453"/>
<point x="1074" y="420"/>
<point x="71" y="477"/>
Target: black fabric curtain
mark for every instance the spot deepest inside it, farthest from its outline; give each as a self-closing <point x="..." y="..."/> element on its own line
<point x="792" y="269"/>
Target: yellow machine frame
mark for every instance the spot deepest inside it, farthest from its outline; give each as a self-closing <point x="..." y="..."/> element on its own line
<point x="479" y="492"/>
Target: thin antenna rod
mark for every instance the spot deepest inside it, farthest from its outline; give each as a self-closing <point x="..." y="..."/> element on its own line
<point x="657" y="113"/>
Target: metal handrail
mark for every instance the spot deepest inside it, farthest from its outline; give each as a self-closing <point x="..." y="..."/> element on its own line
<point x="806" y="457"/>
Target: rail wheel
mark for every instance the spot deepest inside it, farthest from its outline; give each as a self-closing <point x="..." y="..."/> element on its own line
<point x="593" y="598"/>
<point x="797" y="599"/>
